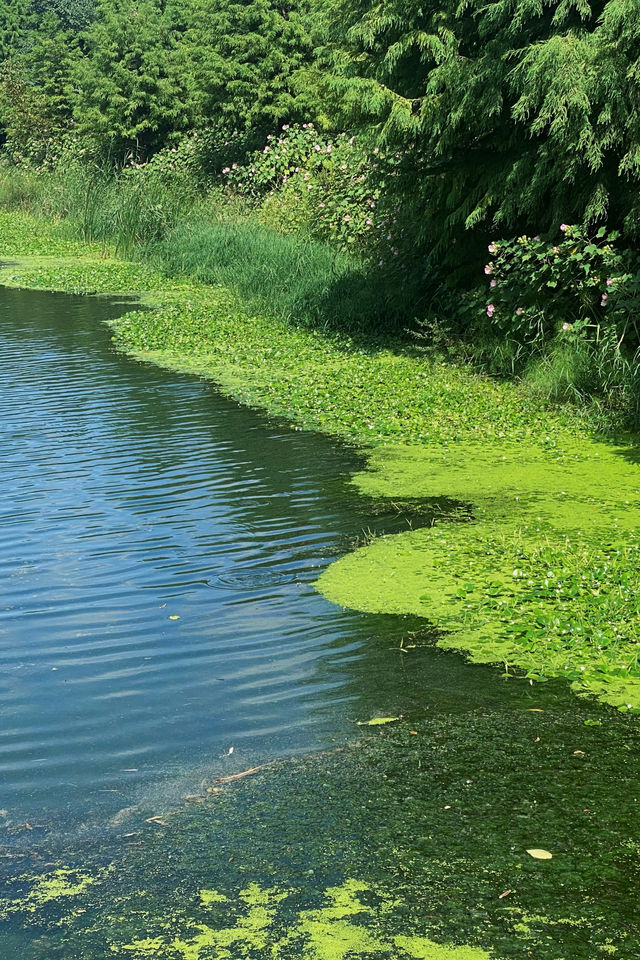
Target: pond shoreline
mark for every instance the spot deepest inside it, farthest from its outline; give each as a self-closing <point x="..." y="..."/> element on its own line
<point x="421" y="418"/>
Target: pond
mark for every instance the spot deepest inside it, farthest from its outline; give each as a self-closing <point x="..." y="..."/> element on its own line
<point x="160" y="632"/>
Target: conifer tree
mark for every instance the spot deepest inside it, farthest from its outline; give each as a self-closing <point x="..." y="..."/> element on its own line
<point x="512" y="116"/>
<point x="131" y="94"/>
<point x="243" y="59"/>
<point x="13" y="26"/>
<point x="74" y="15"/>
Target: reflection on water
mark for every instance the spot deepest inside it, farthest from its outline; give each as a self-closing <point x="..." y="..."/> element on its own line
<point x="157" y="548"/>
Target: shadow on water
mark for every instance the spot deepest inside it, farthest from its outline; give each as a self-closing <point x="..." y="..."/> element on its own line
<point x="133" y="495"/>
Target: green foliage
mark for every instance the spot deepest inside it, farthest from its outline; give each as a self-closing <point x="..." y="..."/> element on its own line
<point x="13" y="25"/>
<point x="74" y="15"/>
<point x="334" y="188"/>
<point x="131" y="93"/>
<point x="333" y="185"/>
<point x="287" y="277"/>
<point x="513" y="114"/>
<point x="123" y="212"/>
<point x="574" y="304"/>
<point x="36" y="96"/>
<point x="242" y="60"/>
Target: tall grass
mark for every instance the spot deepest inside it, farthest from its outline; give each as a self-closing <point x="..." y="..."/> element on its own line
<point x="165" y="218"/>
<point x="123" y="210"/>
<point x="287" y="276"/>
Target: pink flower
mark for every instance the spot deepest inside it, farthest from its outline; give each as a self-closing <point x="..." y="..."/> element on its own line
<point x="491" y="309"/>
<point x="347" y="218"/>
<point x="493" y="248"/>
<point x="566" y="326"/>
<point x="317" y="148"/>
<point x="323" y="205"/>
<point x="329" y="148"/>
<point x="605" y="297"/>
<point x="519" y="311"/>
<point x="609" y="282"/>
<point x="285" y="126"/>
<point x="564" y="227"/>
<point x="493" y="283"/>
<point x="488" y="269"/>
<point x="368" y="221"/>
<point x="225" y="169"/>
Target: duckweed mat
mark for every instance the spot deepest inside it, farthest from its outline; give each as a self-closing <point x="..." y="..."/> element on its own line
<point x="544" y="577"/>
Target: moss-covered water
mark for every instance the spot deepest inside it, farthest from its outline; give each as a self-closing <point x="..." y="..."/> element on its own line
<point x="540" y="572"/>
<point x="410" y="842"/>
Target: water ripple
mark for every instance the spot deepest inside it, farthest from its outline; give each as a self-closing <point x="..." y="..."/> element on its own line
<point x="156" y="544"/>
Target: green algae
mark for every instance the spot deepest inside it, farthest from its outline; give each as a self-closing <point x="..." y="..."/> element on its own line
<point x="207" y="897"/>
<point x="326" y="933"/>
<point x="422" y="949"/>
<point x="333" y="931"/>
<point x="59" y="885"/>
<point x="250" y="933"/>
<point x="330" y="933"/>
<point x="449" y="801"/>
<point x="564" y="486"/>
<point x="546" y="577"/>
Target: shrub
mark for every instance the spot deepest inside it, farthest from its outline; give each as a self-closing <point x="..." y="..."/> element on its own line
<point x="572" y="304"/>
<point x="332" y="186"/>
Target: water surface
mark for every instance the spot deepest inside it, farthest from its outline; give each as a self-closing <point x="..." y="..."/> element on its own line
<point x="157" y="548"/>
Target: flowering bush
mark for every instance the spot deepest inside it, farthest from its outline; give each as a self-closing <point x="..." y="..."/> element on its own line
<point x="577" y="287"/>
<point x="331" y="185"/>
<point x="565" y="311"/>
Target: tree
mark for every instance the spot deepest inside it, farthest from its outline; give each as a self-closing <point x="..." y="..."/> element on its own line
<point x="131" y="91"/>
<point x="513" y="116"/>
<point x="74" y="15"/>
<point x="13" y="25"/>
<point x="243" y="59"/>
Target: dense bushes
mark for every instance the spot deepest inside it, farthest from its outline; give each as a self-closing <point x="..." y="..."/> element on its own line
<point x="567" y="312"/>
<point x="367" y="155"/>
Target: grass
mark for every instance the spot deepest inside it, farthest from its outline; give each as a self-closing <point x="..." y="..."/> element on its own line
<point x="291" y="278"/>
<point x="120" y="213"/>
